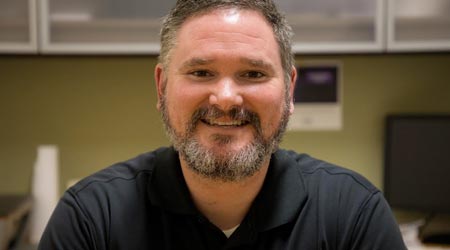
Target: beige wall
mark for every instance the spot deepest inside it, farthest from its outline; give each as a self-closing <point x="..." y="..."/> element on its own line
<point x="100" y="110"/>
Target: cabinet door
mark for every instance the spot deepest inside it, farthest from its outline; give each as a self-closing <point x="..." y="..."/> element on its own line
<point x="102" y="26"/>
<point x="18" y="26"/>
<point x="415" y="25"/>
<point x="323" y="26"/>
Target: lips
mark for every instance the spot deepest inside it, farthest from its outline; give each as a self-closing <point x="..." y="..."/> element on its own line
<point x="213" y="116"/>
<point x="234" y="123"/>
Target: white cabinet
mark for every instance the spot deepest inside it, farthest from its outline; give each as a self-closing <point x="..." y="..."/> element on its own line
<point x="101" y="26"/>
<point x="323" y="26"/>
<point x="417" y="25"/>
<point x="18" y="26"/>
<point x="132" y="26"/>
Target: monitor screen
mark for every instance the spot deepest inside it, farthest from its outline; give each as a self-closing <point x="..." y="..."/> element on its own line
<point x="417" y="162"/>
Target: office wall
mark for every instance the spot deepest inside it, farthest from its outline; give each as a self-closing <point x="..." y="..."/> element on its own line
<point x="102" y="109"/>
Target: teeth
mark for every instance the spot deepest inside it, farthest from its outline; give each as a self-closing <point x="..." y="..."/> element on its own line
<point x="230" y="123"/>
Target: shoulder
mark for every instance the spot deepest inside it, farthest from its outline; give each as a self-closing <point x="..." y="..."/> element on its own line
<point x="119" y="172"/>
<point x="342" y="205"/>
<point x="338" y="197"/>
<point x="315" y="172"/>
<point x="95" y="210"/>
<point x="123" y="181"/>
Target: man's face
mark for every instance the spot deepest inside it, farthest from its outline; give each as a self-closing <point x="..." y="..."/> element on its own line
<point x="223" y="97"/>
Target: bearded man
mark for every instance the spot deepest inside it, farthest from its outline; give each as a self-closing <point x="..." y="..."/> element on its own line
<point x="225" y="81"/>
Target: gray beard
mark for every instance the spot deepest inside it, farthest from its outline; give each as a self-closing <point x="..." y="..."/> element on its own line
<point x="231" y="166"/>
<point x="225" y="167"/>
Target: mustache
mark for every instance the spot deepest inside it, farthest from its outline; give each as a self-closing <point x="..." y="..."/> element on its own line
<point x="234" y="113"/>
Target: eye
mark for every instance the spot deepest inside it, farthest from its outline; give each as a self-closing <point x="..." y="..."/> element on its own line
<point x="253" y="75"/>
<point x="201" y="73"/>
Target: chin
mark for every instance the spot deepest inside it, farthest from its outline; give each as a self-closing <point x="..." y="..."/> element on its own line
<point x="223" y="147"/>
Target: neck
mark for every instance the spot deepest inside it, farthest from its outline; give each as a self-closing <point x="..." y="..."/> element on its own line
<point x="225" y="204"/>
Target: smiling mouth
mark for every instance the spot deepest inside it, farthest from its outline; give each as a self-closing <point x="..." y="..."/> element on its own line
<point x="234" y="123"/>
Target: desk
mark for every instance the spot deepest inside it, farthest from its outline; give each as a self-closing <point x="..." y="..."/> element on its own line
<point x="13" y="212"/>
<point x="410" y="232"/>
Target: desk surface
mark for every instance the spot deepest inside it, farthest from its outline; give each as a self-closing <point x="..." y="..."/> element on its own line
<point x="410" y="232"/>
<point x="10" y="203"/>
<point x="13" y="211"/>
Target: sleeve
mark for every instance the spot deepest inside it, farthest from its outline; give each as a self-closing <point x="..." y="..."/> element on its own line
<point x="376" y="227"/>
<point x="68" y="228"/>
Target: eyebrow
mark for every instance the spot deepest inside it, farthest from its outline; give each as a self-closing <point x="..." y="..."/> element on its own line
<point x="258" y="63"/>
<point x="196" y="61"/>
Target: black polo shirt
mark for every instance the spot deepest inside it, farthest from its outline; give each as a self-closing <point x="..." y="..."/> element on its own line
<point x="144" y="203"/>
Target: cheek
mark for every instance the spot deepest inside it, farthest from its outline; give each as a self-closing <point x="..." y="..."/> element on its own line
<point x="182" y="103"/>
<point x="270" y="109"/>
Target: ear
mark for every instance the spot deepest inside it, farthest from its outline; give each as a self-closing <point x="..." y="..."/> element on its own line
<point x="160" y="81"/>
<point x="292" y="88"/>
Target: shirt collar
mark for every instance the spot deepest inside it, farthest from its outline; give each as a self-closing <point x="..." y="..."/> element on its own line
<point x="279" y="201"/>
<point x="167" y="188"/>
<point x="282" y="195"/>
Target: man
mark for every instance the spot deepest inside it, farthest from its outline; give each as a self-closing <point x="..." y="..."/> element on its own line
<point x="225" y="83"/>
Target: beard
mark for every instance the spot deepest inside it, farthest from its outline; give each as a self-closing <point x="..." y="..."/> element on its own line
<point x="225" y="166"/>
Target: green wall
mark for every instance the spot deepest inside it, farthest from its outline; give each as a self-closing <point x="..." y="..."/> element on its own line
<point x="102" y="109"/>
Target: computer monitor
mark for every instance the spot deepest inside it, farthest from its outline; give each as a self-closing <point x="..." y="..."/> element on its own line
<point x="417" y="164"/>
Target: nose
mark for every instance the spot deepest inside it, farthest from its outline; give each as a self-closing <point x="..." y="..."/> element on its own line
<point x="226" y="94"/>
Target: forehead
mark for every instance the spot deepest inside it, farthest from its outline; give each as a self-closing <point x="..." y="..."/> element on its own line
<point x="227" y="31"/>
<point x="229" y="14"/>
